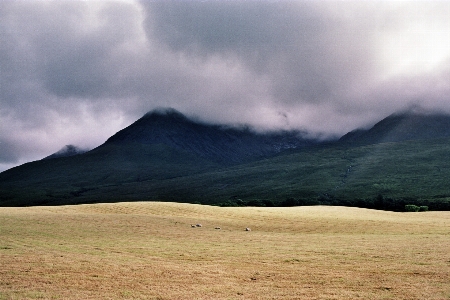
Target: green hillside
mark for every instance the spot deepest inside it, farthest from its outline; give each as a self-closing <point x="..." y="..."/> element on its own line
<point x="69" y="179"/>
<point x="384" y="176"/>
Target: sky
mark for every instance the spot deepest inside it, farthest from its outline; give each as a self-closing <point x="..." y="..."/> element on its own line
<point x="76" y="72"/>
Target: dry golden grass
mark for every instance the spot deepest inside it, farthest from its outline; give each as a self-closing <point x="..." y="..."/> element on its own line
<point x="150" y="251"/>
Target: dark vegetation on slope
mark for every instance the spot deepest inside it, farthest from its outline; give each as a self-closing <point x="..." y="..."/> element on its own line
<point x="167" y="157"/>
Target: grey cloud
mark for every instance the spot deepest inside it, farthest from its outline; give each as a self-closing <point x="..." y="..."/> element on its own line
<point x="70" y="68"/>
<point x="265" y="36"/>
<point x="64" y="47"/>
<point x="309" y="52"/>
<point x="60" y="62"/>
<point x="309" y="55"/>
<point x="218" y="26"/>
<point x="8" y="153"/>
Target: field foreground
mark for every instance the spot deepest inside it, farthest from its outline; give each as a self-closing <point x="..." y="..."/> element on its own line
<point x="149" y="250"/>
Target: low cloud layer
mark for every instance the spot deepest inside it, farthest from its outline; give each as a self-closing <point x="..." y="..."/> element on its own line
<point x="76" y="72"/>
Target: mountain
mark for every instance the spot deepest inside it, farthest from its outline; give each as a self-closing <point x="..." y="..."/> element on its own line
<point x="402" y="127"/>
<point x="162" y="145"/>
<point x="165" y="156"/>
<point x="66" y="151"/>
<point x="220" y="144"/>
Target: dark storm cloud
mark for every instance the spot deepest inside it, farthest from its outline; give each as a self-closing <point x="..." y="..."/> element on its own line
<point x="75" y="72"/>
<point x="312" y="59"/>
<point x="304" y="52"/>
<point x="273" y="38"/>
<point x="59" y="63"/>
<point x="206" y="27"/>
<point x="65" y="46"/>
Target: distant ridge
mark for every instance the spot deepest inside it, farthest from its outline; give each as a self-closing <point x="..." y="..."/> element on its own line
<point x="402" y="126"/>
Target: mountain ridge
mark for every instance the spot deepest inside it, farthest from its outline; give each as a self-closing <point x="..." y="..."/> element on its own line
<point x="66" y="151"/>
<point x="402" y="126"/>
<point x="166" y="156"/>
<point x="222" y="144"/>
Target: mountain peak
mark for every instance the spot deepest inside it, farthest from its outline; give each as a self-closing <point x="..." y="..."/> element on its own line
<point x="166" y="113"/>
<point x="217" y="143"/>
<point x="67" y="150"/>
<point x="415" y="110"/>
<point x="411" y="124"/>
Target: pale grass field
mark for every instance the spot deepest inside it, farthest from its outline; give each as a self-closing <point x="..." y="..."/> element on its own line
<point x="149" y="251"/>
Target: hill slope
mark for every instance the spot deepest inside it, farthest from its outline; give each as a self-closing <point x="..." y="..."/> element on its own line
<point x="165" y="156"/>
<point x="402" y="127"/>
<point x="414" y="172"/>
<point x="161" y="145"/>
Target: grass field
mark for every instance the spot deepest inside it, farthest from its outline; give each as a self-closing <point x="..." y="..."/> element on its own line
<point x="149" y="251"/>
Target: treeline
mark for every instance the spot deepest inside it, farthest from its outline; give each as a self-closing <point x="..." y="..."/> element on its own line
<point x="438" y="203"/>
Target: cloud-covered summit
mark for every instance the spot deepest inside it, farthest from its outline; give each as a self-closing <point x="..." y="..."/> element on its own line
<point x="76" y="72"/>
